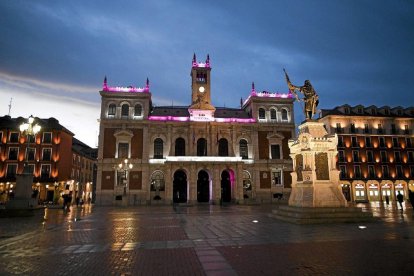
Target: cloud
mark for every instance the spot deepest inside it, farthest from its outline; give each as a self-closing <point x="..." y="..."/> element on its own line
<point x="77" y="115"/>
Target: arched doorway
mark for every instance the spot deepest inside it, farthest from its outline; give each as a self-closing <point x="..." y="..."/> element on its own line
<point x="180" y="187"/>
<point x="225" y="186"/>
<point x="203" y="187"/>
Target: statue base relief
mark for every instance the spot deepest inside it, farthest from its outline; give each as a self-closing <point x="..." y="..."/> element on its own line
<point x="316" y="196"/>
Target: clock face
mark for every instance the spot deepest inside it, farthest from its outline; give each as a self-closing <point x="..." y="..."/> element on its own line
<point x="201" y="89"/>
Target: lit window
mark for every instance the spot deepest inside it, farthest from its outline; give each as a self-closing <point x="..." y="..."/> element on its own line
<point x="123" y="150"/>
<point x="277" y="178"/>
<point x="157" y="181"/>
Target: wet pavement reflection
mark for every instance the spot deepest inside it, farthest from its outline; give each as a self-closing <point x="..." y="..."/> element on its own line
<point x="199" y="240"/>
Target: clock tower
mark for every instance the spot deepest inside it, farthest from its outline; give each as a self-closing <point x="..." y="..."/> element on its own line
<point x="200" y="85"/>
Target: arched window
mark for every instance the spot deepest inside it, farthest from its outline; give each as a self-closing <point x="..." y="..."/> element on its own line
<point x="262" y="113"/>
<point x="284" y="115"/>
<point x="137" y="110"/>
<point x="158" y="148"/>
<point x="157" y="181"/>
<point x="244" y="153"/>
<point x="223" y="147"/>
<point x="247" y="182"/>
<point x="201" y="147"/>
<point x="125" y="110"/>
<point x="272" y="114"/>
<point x="180" y="147"/>
<point x="112" y="110"/>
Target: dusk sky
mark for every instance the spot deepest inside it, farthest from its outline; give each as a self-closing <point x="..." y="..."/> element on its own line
<point x="54" y="55"/>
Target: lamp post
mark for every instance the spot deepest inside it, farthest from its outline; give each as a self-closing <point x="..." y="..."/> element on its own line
<point x="28" y="129"/>
<point x="123" y="169"/>
<point x="23" y="200"/>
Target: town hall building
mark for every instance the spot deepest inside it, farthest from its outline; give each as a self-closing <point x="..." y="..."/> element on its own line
<point x="195" y="154"/>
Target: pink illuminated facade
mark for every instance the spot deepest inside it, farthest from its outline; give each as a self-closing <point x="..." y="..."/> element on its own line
<point x="195" y="154"/>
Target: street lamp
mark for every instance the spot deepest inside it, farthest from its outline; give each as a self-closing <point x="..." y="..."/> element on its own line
<point x="123" y="168"/>
<point x="29" y="129"/>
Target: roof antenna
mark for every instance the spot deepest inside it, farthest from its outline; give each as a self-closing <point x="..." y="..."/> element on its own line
<point x="10" y="105"/>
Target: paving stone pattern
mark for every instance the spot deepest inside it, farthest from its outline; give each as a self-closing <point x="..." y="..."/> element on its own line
<point x="203" y="240"/>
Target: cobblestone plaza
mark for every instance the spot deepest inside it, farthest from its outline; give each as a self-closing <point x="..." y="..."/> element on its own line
<point x="203" y="240"/>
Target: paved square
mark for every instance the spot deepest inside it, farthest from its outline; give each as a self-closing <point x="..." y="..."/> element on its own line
<point x="203" y="240"/>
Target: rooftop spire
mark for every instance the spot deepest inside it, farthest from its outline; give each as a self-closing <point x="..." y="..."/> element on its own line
<point x="105" y="83"/>
<point x="253" y="86"/>
<point x="208" y="59"/>
<point x="194" y="58"/>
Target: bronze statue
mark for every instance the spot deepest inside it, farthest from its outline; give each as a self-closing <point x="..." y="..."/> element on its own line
<point x="311" y="99"/>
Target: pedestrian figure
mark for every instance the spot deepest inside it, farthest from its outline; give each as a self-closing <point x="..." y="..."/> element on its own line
<point x="387" y="199"/>
<point x="411" y="197"/>
<point x="77" y="201"/>
<point x="400" y="199"/>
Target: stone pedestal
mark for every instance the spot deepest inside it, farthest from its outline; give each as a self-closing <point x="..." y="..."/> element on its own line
<point x="316" y="195"/>
<point x="22" y="204"/>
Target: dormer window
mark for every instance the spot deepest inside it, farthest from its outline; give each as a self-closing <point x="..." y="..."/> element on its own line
<point x="386" y="112"/>
<point x="373" y="111"/>
<point x="359" y="110"/>
<point x="346" y="110"/>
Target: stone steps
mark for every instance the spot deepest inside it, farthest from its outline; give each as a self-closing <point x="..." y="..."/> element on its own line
<point x="308" y="215"/>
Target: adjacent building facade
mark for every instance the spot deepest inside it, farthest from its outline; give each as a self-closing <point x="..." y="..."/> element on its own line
<point x="375" y="150"/>
<point x="60" y="163"/>
<point x="193" y="154"/>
